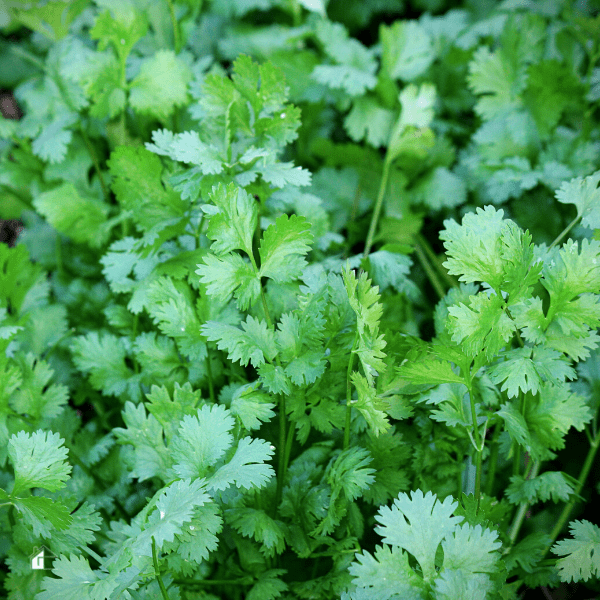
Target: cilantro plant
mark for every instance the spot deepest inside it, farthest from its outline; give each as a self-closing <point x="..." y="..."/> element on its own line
<point x="306" y="301"/>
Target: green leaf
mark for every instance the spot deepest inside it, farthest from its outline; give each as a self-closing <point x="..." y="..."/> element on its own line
<point x="120" y="27"/>
<point x="39" y="460"/>
<point x="585" y="195"/>
<point x="418" y="524"/>
<point x="43" y="515"/>
<point x="138" y="186"/>
<point x="254" y="343"/>
<point x="144" y="433"/>
<point x="251" y="407"/>
<point x="370" y="405"/>
<point x="82" y="218"/>
<point x="482" y="326"/>
<point x="103" y="356"/>
<point x="256" y="524"/>
<point x="148" y="92"/>
<point x="552" y="485"/>
<point x="364" y="302"/>
<point x="368" y="120"/>
<point x="232" y="226"/>
<point x="174" y="507"/>
<point x="581" y="555"/>
<point x="247" y="468"/>
<point x="230" y="275"/>
<point x="408" y="50"/>
<point x="283" y="247"/>
<point x="75" y="580"/>
<point x="428" y="372"/>
<point x="201" y="441"/>
<point x="526" y="369"/>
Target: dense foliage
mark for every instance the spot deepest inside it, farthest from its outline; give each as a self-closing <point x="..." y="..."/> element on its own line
<point x="306" y="301"/>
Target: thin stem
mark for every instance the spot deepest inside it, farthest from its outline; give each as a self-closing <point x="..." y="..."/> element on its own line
<point x="378" y="204"/>
<point x="349" y="393"/>
<point x="435" y="261"/>
<point x="493" y="462"/>
<point x="211" y="387"/>
<point x="53" y="347"/>
<point x="523" y="508"/>
<point x="566" y="512"/>
<point x="564" y="232"/>
<point x="281" y="466"/>
<point x="176" y="32"/>
<point x="161" y="585"/>
<point x="478" y="443"/>
<point x="431" y="274"/>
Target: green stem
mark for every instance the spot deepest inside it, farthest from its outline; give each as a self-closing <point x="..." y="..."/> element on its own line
<point x="566" y="512"/>
<point x="431" y="274"/>
<point x="161" y="585"/>
<point x="176" y="33"/>
<point x="53" y="347"/>
<point x="493" y="462"/>
<point x="211" y="388"/>
<point x="281" y="466"/>
<point x="564" y="232"/>
<point x="58" y="254"/>
<point x="523" y="508"/>
<point x="349" y="393"/>
<point x="435" y="261"/>
<point x="378" y="204"/>
<point x="478" y="443"/>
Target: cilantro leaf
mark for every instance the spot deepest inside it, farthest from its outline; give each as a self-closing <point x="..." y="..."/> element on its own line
<point x="254" y="342"/>
<point x="43" y="515"/>
<point x="149" y="95"/>
<point x="418" y="524"/>
<point x="39" y="460"/>
<point x="230" y="275"/>
<point x="174" y="507"/>
<point x="584" y="194"/>
<point x="232" y="226"/>
<point x="82" y="218"/>
<point x="247" y="468"/>
<point x="549" y="485"/>
<point x="364" y="302"/>
<point x="283" y="247"/>
<point x="202" y="439"/>
<point x="407" y="50"/>
<point x="581" y="555"/>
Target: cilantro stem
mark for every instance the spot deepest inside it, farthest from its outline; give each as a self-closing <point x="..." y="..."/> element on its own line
<point x="431" y="274"/>
<point x="564" y="232"/>
<point x="349" y="393"/>
<point x="176" y="33"/>
<point x="211" y="387"/>
<point x="378" y="204"/>
<point x="478" y="441"/>
<point x="523" y="508"/>
<point x="566" y="512"/>
<point x="435" y="261"/>
<point x="161" y="585"/>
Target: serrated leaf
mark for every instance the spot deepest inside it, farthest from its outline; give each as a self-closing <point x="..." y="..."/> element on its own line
<point x="283" y="247"/>
<point x="581" y="555"/>
<point x="39" y="460"/>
